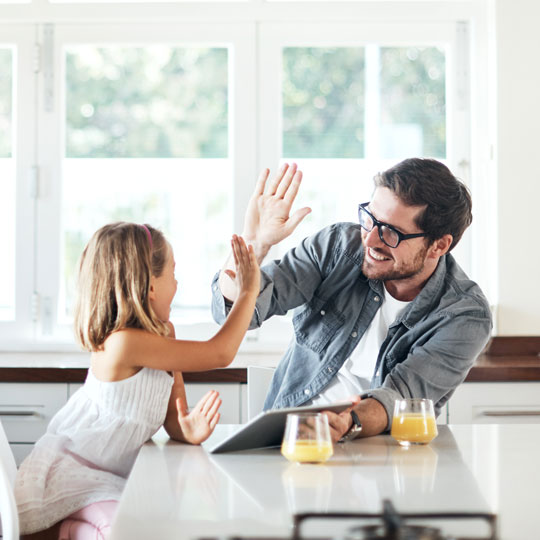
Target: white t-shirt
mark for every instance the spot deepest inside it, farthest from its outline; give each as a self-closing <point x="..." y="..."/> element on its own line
<point x="355" y="375"/>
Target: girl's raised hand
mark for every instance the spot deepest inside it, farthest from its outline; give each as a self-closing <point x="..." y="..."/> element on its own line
<point x="247" y="276"/>
<point x="198" y="424"/>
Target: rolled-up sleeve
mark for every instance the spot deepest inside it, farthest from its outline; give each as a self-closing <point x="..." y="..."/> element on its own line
<point x="286" y="283"/>
<point x="435" y="368"/>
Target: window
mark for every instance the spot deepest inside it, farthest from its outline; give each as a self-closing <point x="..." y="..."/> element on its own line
<point x="168" y="114"/>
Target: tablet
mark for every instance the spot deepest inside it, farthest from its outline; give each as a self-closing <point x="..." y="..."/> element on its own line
<point x="267" y="428"/>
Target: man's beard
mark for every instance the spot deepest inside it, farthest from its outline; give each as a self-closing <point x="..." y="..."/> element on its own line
<point x="404" y="271"/>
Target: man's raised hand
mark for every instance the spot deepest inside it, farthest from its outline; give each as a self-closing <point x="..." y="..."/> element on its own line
<point x="268" y="219"/>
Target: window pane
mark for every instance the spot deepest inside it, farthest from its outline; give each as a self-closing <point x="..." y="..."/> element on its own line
<point x="323" y="102"/>
<point x="150" y="110"/>
<point x="155" y="101"/>
<point x="372" y="105"/>
<point x="413" y="103"/>
<point x="7" y="187"/>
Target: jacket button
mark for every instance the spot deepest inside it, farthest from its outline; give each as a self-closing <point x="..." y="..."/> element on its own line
<point x="307" y="392"/>
<point x="323" y="312"/>
<point x="354" y="334"/>
<point x="376" y="298"/>
<point x="330" y="370"/>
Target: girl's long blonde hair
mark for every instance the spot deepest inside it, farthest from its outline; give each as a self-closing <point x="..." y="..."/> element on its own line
<point x="114" y="282"/>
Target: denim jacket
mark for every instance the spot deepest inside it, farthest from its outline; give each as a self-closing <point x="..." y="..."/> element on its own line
<point x="427" y="352"/>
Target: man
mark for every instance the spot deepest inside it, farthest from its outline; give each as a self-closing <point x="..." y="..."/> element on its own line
<point x="384" y="311"/>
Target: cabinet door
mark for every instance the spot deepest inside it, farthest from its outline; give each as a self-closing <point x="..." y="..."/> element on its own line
<point x="230" y="396"/>
<point x="27" y="408"/>
<point x="496" y="403"/>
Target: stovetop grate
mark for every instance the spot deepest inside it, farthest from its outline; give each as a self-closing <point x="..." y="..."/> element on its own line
<point x="390" y="525"/>
<point x="395" y="525"/>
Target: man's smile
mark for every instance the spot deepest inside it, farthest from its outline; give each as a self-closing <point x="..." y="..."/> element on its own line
<point x="377" y="256"/>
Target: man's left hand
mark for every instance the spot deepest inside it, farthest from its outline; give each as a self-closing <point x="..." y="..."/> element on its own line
<point x="339" y="423"/>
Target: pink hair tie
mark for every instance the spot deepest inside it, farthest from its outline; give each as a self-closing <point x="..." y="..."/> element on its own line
<point x="149" y="236"/>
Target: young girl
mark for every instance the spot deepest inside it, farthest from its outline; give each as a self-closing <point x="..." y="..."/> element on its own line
<point x="68" y="487"/>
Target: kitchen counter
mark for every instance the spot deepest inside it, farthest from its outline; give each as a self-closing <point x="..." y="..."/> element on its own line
<point x="183" y="492"/>
<point x="505" y="359"/>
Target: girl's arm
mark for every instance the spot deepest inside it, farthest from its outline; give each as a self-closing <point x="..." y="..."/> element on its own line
<point x="196" y="426"/>
<point x="135" y="348"/>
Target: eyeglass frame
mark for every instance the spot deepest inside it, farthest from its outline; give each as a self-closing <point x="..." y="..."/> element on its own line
<point x="379" y="224"/>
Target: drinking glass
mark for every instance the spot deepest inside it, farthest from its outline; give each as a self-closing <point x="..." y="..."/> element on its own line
<point x="413" y="422"/>
<point x="307" y="438"/>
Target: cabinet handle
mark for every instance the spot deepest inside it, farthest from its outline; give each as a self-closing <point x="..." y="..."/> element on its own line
<point x="18" y="413"/>
<point x="511" y="413"/>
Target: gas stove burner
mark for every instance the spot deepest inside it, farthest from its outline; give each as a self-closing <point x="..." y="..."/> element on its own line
<point x="392" y="524"/>
<point x="405" y="532"/>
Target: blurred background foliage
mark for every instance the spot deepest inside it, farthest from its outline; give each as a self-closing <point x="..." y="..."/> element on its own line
<point x="413" y="92"/>
<point x="324" y="100"/>
<point x="156" y="101"/>
<point x="166" y="102"/>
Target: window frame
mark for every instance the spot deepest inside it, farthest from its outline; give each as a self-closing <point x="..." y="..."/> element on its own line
<point x="237" y="37"/>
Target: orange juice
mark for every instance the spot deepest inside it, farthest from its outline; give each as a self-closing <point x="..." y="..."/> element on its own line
<point x="307" y="451"/>
<point x="415" y="428"/>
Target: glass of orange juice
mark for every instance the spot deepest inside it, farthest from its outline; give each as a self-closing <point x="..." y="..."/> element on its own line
<point x="307" y="438"/>
<point x="413" y="422"/>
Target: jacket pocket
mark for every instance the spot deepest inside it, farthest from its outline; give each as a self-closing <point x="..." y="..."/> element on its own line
<point x="314" y="328"/>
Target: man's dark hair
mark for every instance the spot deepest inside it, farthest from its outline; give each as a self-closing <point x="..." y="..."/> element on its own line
<point x="429" y="183"/>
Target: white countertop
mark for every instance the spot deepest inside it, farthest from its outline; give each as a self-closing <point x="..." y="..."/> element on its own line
<point x="179" y="491"/>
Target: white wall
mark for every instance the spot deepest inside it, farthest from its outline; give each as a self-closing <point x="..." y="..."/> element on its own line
<point x="517" y="153"/>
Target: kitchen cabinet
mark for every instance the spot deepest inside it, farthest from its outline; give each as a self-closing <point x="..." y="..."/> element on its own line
<point x="26" y="410"/>
<point x="495" y="403"/>
<point x="231" y="395"/>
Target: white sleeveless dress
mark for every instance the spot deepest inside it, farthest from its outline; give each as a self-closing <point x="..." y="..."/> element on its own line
<point x="90" y="447"/>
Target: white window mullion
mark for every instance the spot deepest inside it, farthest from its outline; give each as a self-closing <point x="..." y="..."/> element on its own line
<point x="49" y="212"/>
<point x="270" y="72"/>
<point x="243" y="121"/>
<point x="459" y="129"/>
<point x="372" y="101"/>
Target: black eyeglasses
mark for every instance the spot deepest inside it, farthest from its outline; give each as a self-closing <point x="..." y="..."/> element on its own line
<point x="388" y="234"/>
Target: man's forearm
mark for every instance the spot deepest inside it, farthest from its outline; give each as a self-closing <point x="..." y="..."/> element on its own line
<point x="373" y="417"/>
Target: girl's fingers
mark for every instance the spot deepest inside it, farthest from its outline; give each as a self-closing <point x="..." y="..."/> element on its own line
<point x="202" y="402"/>
<point x="241" y="252"/>
<point x="214" y="421"/>
<point x="208" y="401"/>
<point x="252" y="257"/>
<point x="234" y="247"/>
<point x="213" y="409"/>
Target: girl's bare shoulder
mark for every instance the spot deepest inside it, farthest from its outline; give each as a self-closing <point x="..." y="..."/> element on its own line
<point x="119" y="357"/>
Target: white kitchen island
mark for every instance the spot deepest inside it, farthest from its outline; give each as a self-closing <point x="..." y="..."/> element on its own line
<point x="178" y="491"/>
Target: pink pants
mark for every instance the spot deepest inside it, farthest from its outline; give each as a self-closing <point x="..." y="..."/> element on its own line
<point x="93" y="522"/>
